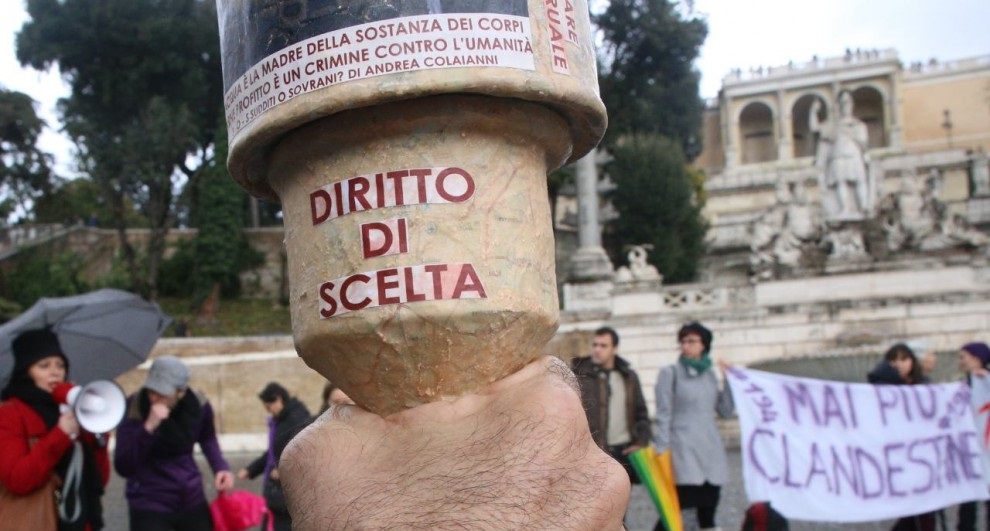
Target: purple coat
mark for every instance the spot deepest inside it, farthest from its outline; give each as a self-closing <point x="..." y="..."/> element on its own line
<point x="161" y="472"/>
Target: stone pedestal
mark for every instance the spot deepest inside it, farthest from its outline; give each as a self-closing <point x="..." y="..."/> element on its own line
<point x="590" y="264"/>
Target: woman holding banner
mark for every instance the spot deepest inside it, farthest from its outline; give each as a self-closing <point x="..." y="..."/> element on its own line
<point x="688" y="395"/>
<point x="901" y="367"/>
<point x="974" y="360"/>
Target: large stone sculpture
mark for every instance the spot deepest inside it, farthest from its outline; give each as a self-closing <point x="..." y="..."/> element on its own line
<point x="916" y="219"/>
<point x="784" y="234"/>
<point x="842" y="160"/>
<point x="639" y="268"/>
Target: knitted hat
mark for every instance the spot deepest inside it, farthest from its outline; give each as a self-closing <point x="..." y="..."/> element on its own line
<point x="167" y="375"/>
<point x="699" y="330"/>
<point x="980" y="350"/>
<point x="34" y="345"/>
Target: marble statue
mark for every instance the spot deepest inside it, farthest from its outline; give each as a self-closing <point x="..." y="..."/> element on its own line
<point x="638" y="268"/>
<point x="782" y="234"/>
<point x="916" y="218"/>
<point x="841" y="157"/>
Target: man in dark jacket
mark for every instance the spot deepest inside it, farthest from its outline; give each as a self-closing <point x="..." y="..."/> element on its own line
<point x="288" y="417"/>
<point x="613" y="400"/>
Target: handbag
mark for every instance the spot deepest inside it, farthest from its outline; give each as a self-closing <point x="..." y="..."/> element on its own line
<point x="237" y="511"/>
<point x="35" y="510"/>
<point x="274" y="496"/>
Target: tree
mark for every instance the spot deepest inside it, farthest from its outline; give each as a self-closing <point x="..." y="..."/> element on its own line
<point x="25" y="170"/>
<point x="146" y="95"/>
<point x="79" y="200"/>
<point x="658" y="204"/>
<point x="647" y="75"/>
<point x="220" y="250"/>
<point x="650" y="89"/>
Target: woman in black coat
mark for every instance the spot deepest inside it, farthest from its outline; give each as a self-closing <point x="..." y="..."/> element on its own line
<point x="288" y="416"/>
<point x="900" y="366"/>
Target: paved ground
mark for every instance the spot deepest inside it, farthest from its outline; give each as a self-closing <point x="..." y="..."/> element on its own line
<point x="640" y="517"/>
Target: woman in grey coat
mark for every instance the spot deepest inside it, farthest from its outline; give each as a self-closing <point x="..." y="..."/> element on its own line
<point x="688" y="396"/>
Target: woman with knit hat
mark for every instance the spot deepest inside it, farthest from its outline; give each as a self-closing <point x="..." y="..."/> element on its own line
<point x="974" y="360"/>
<point x="688" y="396"/>
<point x="39" y="443"/>
<point x="165" y="420"/>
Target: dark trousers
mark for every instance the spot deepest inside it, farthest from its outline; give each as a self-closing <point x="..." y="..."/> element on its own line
<point x="921" y="522"/>
<point x="967" y="516"/>
<point x="196" y="519"/>
<point x="282" y="521"/>
<point x="616" y="453"/>
<point x="702" y="498"/>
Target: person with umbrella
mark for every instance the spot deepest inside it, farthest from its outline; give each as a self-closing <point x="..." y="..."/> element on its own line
<point x="39" y="443"/>
<point x="164" y="420"/>
<point x="688" y="398"/>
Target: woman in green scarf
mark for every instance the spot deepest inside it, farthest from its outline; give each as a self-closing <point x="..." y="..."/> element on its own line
<point x="688" y="396"/>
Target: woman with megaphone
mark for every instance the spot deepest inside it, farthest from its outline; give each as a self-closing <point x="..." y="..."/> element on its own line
<point x="41" y="446"/>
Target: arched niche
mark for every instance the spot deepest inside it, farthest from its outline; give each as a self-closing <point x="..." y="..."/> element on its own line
<point x="756" y="132"/>
<point x="803" y="139"/>
<point x="869" y="108"/>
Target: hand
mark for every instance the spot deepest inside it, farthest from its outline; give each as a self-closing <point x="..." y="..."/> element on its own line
<point x="68" y="424"/>
<point x="516" y="455"/>
<point x="224" y="480"/>
<point x="723" y="366"/>
<point x="928" y="363"/>
<point x="631" y="448"/>
<point x="274" y="474"/>
<point x="156" y="415"/>
<point x="242" y="474"/>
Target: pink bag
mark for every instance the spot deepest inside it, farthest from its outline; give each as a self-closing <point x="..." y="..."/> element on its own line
<point x="237" y="510"/>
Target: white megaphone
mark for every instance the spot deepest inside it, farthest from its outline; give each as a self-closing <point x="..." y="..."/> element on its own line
<point x="99" y="406"/>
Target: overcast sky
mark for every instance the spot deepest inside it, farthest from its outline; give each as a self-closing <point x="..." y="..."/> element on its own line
<point x="752" y="33"/>
<point x="742" y="34"/>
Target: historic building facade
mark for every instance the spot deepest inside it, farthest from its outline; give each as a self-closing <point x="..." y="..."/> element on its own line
<point x="906" y="170"/>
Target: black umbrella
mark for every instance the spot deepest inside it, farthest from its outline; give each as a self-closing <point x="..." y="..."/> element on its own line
<point x="103" y="333"/>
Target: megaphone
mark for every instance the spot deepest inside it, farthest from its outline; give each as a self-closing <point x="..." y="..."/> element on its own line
<point x="99" y="406"/>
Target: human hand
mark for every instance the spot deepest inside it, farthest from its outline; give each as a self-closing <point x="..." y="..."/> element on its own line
<point x="631" y="448"/>
<point x="518" y="454"/>
<point x="156" y="415"/>
<point x="242" y="474"/>
<point x="723" y="366"/>
<point x="274" y="474"/>
<point x="68" y="424"/>
<point x="224" y="480"/>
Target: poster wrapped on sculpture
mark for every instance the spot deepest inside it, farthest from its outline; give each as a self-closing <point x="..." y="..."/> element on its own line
<point x="841" y="452"/>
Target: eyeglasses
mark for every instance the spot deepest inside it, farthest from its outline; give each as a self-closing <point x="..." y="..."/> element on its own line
<point x="603" y="345"/>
